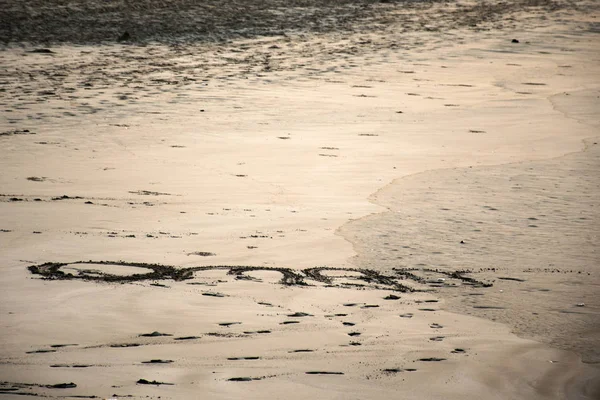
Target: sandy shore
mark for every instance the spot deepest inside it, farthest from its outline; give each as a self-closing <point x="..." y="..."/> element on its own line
<point x="528" y="228"/>
<point x="401" y="201"/>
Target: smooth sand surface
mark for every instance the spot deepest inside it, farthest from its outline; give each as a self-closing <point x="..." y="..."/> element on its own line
<point x="370" y="152"/>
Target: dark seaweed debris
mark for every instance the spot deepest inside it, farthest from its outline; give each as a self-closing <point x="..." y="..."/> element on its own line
<point x="15" y="388"/>
<point x="289" y="277"/>
<point x="460" y="275"/>
<point x="51" y="270"/>
<point x="147" y="382"/>
<point x="324" y="373"/>
<point x="17" y="132"/>
<point x="154" y="334"/>
<point x="62" y="386"/>
<point x="366" y="275"/>
<point x="244" y="379"/>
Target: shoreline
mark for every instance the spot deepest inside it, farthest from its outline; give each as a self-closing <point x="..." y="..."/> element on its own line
<point x="491" y="271"/>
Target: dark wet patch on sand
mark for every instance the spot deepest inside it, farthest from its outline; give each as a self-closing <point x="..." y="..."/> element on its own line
<point x="507" y="278"/>
<point x="41" y="351"/>
<point x="124" y="345"/>
<point x="397" y="370"/>
<point x="300" y="314"/>
<point x="228" y="324"/>
<point x="213" y="294"/>
<point x="245" y="379"/>
<point x="70" y="366"/>
<point x="323" y="373"/>
<point x="186" y="338"/>
<point x="154" y="334"/>
<point x="147" y="382"/>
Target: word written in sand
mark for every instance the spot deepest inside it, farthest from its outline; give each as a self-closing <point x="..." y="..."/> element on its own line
<point x="104" y="271"/>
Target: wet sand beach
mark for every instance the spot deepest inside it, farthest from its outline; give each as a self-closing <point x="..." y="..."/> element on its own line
<point x="355" y="199"/>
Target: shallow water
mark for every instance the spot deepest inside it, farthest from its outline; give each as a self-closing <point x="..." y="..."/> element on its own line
<point x="530" y="228"/>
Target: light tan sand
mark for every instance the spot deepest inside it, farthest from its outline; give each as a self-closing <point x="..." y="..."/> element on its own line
<point x="248" y="165"/>
<point x="494" y="362"/>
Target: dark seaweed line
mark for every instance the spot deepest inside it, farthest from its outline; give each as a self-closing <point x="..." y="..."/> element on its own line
<point x="51" y="271"/>
<point x="367" y="275"/>
<point x="460" y="276"/>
